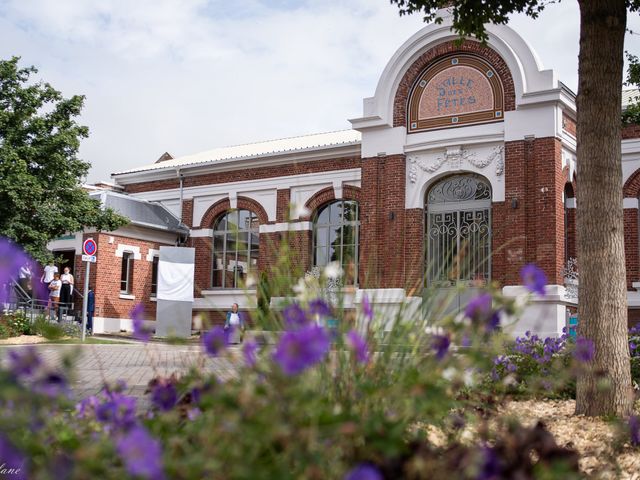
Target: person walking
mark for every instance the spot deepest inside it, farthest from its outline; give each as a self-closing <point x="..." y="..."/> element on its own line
<point x="91" y="307"/>
<point x="66" y="292"/>
<point x="235" y="325"/>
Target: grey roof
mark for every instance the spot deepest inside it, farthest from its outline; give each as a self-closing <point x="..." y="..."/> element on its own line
<point x="141" y="212"/>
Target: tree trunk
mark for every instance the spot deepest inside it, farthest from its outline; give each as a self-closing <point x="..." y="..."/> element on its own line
<point x="604" y="385"/>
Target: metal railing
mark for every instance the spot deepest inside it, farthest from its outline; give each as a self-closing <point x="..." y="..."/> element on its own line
<point x="20" y="300"/>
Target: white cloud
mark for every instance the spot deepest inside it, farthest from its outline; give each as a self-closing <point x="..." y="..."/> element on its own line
<point x="188" y="75"/>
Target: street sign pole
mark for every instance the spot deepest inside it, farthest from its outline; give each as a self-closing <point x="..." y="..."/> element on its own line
<point x="85" y="299"/>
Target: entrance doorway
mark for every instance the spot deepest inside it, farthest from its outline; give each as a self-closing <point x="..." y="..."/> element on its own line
<point x="458" y="240"/>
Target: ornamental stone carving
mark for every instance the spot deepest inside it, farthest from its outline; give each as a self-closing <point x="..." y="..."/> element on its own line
<point x="455" y="157"/>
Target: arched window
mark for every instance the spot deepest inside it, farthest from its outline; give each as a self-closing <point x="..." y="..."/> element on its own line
<point x="458" y="231"/>
<point x="336" y="236"/>
<point x="235" y="248"/>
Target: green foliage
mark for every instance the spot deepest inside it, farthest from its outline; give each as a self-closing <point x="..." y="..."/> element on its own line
<point x="15" y="324"/>
<point x="631" y="114"/>
<point x="41" y="194"/>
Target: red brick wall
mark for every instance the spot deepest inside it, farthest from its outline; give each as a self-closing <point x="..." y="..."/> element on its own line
<point x="107" y="278"/>
<point x="248" y="174"/>
<point x="630" y="131"/>
<point x="568" y="124"/>
<point x="411" y="75"/>
<point x="631" y="246"/>
<point x="533" y="232"/>
<point x="414" y="250"/>
<point x="382" y="222"/>
<point x="187" y="212"/>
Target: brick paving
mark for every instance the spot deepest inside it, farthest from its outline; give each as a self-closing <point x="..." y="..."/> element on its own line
<point x="135" y="363"/>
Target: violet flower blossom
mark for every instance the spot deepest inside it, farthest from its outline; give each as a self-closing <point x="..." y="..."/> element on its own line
<point x="301" y="349"/>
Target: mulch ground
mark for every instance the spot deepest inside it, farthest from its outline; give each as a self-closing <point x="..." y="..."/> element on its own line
<point x="605" y="452"/>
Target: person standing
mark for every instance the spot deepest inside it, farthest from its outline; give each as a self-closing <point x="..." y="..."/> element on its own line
<point x="66" y="291"/>
<point x="24" y="278"/>
<point x="47" y="277"/>
<point x="235" y="325"/>
<point x="54" y="295"/>
<point x="91" y="307"/>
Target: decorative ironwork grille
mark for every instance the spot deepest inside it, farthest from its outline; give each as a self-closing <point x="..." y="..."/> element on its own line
<point x="458" y="232"/>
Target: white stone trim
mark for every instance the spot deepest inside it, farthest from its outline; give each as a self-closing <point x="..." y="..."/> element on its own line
<point x="285" y="227"/>
<point x="111" y="324"/>
<point x="233" y="200"/>
<point x="126" y="296"/>
<point x="152" y="253"/>
<point x="630" y="203"/>
<point x="263" y="191"/>
<point x="337" y="189"/>
<point x="221" y="299"/>
<point x="201" y="232"/>
<point x="570" y="203"/>
<point x="122" y="247"/>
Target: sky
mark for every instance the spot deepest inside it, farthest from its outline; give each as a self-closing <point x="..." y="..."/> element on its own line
<point x="184" y="76"/>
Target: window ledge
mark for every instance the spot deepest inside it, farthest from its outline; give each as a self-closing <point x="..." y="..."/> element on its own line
<point x="153" y="299"/>
<point x="227" y="291"/>
<point x="126" y="296"/>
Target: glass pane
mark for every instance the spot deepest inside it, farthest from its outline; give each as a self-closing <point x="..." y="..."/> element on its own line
<point x="232" y="220"/>
<point x="334" y="237"/>
<point x="348" y="254"/>
<point x="255" y="240"/>
<point x="320" y="257"/>
<point x="125" y="267"/>
<point x="217" y="278"/>
<point x="218" y="242"/>
<point x="254" y="259"/>
<point x="243" y="260"/>
<point x="217" y="261"/>
<point x="349" y="234"/>
<point x="243" y="241"/>
<point x="334" y="254"/>
<point x="322" y="236"/>
<point x="336" y="212"/>
<point x="323" y="216"/>
<point x="244" y="222"/>
<point x="255" y="223"/>
<point x="221" y="224"/>
<point x="231" y="242"/>
<point x="350" y="211"/>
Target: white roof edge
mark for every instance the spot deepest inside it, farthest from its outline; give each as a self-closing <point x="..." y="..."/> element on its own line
<point x="270" y="148"/>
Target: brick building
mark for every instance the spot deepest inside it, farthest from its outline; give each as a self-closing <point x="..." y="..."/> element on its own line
<point x="460" y="171"/>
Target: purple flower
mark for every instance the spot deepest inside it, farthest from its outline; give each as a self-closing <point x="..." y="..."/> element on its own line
<point x="300" y="349"/>
<point x="193" y="413"/>
<point x="480" y="310"/>
<point x="140" y="330"/>
<point x="490" y="465"/>
<point x="359" y="346"/>
<point x="117" y="410"/>
<point x="164" y="395"/>
<point x="13" y="462"/>
<point x="249" y="350"/>
<point x="366" y="307"/>
<point x="634" y="430"/>
<point x="533" y="278"/>
<point x="87" y="406"/>
<point x="319" y="307"/>
<point x="215" y="340"/>
<point x="52" y="384"/>
<point x="440" y="343"/>
<point x="364" y="471"/>
<point x="12" y="258"/>
<point x="141" y="453"/>
<point x="24" y="360"/>
<point x="585" y="350"/>
<point x="295" y="316"/>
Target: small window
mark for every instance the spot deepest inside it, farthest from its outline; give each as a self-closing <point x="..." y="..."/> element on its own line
<point x="154" y="276"/>
<point x="126" y="276"/>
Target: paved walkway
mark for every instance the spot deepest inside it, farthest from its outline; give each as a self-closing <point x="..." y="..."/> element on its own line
<point x="135" y="363"/>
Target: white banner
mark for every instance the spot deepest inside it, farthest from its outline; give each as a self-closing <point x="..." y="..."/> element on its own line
<point x="175" y="281"/>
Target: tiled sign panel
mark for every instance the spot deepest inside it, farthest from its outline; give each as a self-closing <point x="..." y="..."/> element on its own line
<point x="453" y="91"/>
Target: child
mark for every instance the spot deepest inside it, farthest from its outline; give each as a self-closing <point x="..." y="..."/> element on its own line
<point x="54" y="294"/>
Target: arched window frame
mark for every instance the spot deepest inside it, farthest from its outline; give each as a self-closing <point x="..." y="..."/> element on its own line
<point x="236" y="241"/>
<point x="331" y="216"/>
